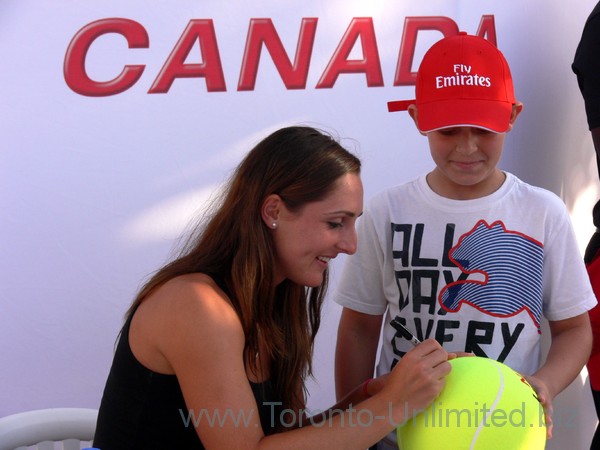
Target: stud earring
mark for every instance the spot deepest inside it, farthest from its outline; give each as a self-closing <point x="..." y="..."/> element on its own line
<point x="274" y="225"/>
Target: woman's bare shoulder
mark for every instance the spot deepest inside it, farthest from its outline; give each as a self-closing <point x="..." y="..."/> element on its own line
<point x="191" y="294"/>
<point x="184" y="312"/>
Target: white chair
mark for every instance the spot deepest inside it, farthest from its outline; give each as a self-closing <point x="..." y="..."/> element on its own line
<point x="48" y="429"/>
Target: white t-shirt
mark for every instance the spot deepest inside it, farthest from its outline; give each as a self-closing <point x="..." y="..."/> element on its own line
<point x="477" y="275"/>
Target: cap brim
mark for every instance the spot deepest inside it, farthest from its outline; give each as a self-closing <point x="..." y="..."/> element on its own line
<point x="489" y="115"/>
<point x="400" y="105"/>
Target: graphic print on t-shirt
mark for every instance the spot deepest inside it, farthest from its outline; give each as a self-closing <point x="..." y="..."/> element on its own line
<point x="511" y="264"/>
<point x="480" y="292"/>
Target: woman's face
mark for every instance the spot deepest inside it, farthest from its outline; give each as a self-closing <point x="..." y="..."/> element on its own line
<point x="306" y="240"/>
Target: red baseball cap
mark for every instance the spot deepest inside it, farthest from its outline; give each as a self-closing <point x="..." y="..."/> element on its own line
<point x="463" y="80"/>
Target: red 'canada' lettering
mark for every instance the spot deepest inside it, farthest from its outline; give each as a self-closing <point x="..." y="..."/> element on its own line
<point x="412" y="25"/>
<point x="359" y="28"/>
<point x="261" y="33"/>
<point x="175" y="67"/>
<point x="74" y="66"/>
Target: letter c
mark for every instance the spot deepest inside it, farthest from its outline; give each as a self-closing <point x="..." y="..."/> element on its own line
<point x="74" y="65"/>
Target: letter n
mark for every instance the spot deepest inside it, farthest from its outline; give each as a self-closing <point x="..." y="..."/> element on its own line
<point x="412" y="25"/>
<point x="262" y="31"/>
<point x="175" y="67"/>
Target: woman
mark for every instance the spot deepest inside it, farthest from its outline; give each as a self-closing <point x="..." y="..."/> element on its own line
<point x="217" y="345"/>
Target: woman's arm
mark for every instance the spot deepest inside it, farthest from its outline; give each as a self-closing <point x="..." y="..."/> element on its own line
<point x="412" y="385"/>
<point x="198" y="333"/>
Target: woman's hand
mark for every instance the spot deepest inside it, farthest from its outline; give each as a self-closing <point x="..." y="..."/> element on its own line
<point x="416" y="380"/>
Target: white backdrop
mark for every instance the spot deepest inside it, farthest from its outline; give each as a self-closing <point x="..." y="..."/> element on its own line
<point x="96" y="189"/>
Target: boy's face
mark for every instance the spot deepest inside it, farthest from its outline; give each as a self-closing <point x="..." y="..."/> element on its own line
<point x="466" y="161"/>
<point x="466" y="158"/>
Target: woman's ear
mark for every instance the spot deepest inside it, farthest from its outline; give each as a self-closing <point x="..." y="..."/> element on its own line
<point x="271" y="210"/>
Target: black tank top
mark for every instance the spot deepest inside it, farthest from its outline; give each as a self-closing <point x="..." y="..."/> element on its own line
<point x="142" y="409"/>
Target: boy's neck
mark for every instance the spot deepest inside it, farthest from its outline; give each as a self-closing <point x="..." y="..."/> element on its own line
<point x="443" y="186"/>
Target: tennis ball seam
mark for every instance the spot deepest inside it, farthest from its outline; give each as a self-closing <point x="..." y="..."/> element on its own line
<point x="492" y="407"/>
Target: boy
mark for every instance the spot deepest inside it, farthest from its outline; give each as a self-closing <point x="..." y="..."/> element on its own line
<point x="467" y="254"/>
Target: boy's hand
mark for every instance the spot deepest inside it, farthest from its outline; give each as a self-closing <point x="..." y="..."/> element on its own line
<point x="545" y="399"/>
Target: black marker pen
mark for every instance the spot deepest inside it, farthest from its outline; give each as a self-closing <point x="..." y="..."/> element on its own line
<point x="403" y="331"/>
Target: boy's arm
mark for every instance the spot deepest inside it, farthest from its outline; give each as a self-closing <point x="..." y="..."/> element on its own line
<point x="356" y="350"/>
<point x="569" y="351"/>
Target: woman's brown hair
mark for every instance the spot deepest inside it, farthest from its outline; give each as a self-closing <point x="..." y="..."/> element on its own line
<point x="301" y="165"/>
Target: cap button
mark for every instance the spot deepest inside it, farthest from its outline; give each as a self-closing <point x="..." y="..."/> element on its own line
<point x="462" y="33"/>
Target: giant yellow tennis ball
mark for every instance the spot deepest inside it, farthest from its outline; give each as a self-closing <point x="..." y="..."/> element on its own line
<point x="485" y="405"/>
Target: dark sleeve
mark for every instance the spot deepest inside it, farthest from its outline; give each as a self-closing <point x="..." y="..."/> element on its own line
<point x="586" y="65"/>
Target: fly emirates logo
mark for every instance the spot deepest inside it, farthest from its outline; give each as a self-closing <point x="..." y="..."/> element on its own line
<point x="462" y="77"/>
